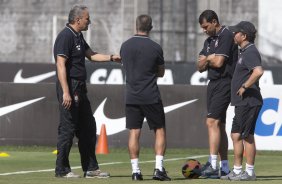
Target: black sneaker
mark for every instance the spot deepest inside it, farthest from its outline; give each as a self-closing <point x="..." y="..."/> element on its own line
<point x="222" y="173"/>
<point x="204" y="167"/>
<point x="209" y="172"/>
<point x="137" y="176"/>
<point x="160" y="175"/>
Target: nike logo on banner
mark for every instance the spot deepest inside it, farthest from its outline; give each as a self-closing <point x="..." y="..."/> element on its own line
<point x="11" y="108"/>
<point x="35" y="79"/>
<point x="114" y="126"/>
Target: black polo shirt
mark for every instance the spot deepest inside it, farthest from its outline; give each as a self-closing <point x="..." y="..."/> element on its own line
<point x="221" y="44"/>
<point x="71" y="45"/>
<point x="249" y="58"/>
<point x="140" y="58"/>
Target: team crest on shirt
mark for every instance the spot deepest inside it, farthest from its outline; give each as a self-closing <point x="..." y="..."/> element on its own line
<point x="216" y="43"/>
<point x="208" y="49"/>
<point x="240" y="60"/>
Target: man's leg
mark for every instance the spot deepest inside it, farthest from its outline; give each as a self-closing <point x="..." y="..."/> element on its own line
<point x="160" y="147"/>
<point x="134" y="121"/>
<point x="236" y="174"/>
<point x="133" y="148"/>
<point x="249" y="141"/>
<point x="87" y="140"/>
<point x="250" y="150"/>
<point x="66" y="131"/>
<point x="214" y="139"/>
<point x="238" y="152"/>
<point x="223" y="149"/>
<point x="87" y="136"/>
<point x="155" y="116"/>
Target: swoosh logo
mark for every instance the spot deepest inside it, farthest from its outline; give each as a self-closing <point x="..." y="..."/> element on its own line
<point x="114" y="126"/>
<point x="35" y="79"/>
<point x="11" y="108"/>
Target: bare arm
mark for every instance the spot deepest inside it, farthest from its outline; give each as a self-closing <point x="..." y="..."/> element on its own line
<point x="92" y="56"/>
<point x="161" y="71"/>
<point x="215" y="61"/>
<point x="62" y="76"/>
<point x="202" y="64"/>
<point x="255" y="76"/>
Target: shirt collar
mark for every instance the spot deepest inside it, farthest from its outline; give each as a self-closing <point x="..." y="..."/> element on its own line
<point x="72" y="30"/>
<point x="246" y="47"/>
<point x="142" y="36"/>
<point x="220" y="31"/>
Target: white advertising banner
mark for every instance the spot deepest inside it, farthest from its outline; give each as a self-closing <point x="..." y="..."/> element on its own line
<point x="268" y="132"/>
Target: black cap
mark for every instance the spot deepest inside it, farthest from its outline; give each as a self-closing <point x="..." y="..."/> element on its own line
<point x="244" y="27"/>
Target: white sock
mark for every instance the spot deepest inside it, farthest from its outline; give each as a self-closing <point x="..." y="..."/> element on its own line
<point x="213" y="161"/>
<point x="159" y="162"/>
<point x="135" y="165"/>
<point x="224" y="165"/>
<point x="250" y="169"/>
<point x="237" y="169"/>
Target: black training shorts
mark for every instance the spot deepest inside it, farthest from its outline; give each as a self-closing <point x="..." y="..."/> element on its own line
<point x="218" y="98"/>
<point x="244" y="121"/>
<point x="135" y="114"/>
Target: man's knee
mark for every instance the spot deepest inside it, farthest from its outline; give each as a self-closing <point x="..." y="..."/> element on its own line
<point x="213" y="123"/>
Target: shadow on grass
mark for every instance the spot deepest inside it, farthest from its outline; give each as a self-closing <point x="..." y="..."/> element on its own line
<point x="259" y="178"/>
<point x="145" y="177"/>
<point x="267" y="178"/>
<point x="188" y="179"/>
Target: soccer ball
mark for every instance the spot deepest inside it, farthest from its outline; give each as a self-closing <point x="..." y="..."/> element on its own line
<point x="191" y="169"/>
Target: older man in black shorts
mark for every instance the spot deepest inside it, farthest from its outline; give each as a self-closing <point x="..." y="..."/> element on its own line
<point x="143" y="62"/>
<point x="247" y="99"/>
<point x="218" y="57"/>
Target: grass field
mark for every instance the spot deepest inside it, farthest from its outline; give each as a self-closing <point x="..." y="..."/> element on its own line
<point x="40" y="162"/>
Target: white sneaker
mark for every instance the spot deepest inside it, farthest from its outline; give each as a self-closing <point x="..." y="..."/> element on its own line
<point x="69" y="175"/>
<point x="246" y="177"/>
<point x="96" y="174"/>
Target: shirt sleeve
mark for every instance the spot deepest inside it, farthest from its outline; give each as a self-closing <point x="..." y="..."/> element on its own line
<point x="224" y="45"/>
<point x="161" y="57"/>
<point x="204" y="51"/>
<point x="63" y="46"/>
<point x="252" y="60"/>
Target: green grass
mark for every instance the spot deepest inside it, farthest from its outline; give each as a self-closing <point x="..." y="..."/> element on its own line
<point x="268" y="166"/>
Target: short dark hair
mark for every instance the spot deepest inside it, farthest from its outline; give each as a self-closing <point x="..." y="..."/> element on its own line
<point x="75" y="12"/>
<point x="209" y="15"/>
<point x="144" y="23"/>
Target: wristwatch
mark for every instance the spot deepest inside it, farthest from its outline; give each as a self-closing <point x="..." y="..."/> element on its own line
<point x="243" y="86"/>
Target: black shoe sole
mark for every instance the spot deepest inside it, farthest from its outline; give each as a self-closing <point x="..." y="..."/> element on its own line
<point x="161" y="179"/>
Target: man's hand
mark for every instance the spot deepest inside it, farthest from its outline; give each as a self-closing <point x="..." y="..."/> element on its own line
<point x="202" y="63"/>
<point x="211" y="57"/>
<point x="66" y="101"/>
<point x="240" y="92"/>
<point x="116" y="58"/>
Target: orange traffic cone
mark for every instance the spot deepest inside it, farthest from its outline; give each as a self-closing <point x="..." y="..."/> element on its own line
<point x="102" y="146"/>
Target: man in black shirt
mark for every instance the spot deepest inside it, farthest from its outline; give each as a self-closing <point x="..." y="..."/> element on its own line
<point x="247" y="99"/>
<point x="218" y="57"/>
<point x="76" y="117"/>
<point x="143" y="62"/>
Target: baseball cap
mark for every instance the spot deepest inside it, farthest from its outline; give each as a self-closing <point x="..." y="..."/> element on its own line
<point x="244" y="27"/>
